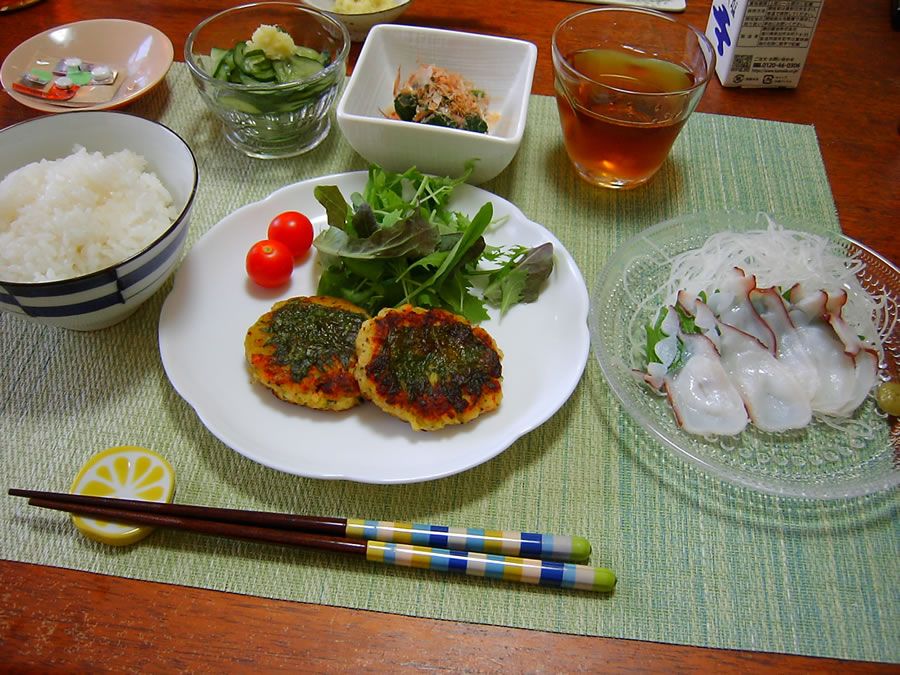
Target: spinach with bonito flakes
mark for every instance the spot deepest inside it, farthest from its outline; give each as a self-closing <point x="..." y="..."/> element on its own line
<point x="399" y="242"/>
<point x="438" y="97"/>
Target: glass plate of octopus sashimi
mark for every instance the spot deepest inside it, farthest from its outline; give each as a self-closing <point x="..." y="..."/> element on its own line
<point x="475" y="333"/>
<point x="761" y="349"/>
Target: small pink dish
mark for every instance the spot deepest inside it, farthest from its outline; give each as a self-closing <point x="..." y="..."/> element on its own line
<point x="140" y="54"/>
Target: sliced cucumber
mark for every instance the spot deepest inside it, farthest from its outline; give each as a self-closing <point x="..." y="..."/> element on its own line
<point x="215" y="58"/>
<point x="308" y="53"/>
<point x="252" y="67"/>
<point x="256" y="64"/>
<point x="295" y="68"/>
<point x="238" y="54"/>
<point x="240" y="105"/>
<point x="226" y="66"/>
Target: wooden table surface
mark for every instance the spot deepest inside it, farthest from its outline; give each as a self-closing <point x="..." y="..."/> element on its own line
<point x="62" y="620"/>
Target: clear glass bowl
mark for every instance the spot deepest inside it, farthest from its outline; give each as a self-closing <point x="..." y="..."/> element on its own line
<point x="826" y="460"/>
<point x="274" y="119"/>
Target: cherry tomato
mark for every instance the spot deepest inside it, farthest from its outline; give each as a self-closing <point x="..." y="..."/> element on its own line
<point x="270" y="263"/>
<point x="293" y="229"/>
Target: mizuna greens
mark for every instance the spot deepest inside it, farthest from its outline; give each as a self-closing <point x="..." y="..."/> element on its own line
<point x="399" y="242"/>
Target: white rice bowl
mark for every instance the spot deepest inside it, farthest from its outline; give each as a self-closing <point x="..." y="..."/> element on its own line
<point x="75" y="215"/>
<point x="101" y="214"/>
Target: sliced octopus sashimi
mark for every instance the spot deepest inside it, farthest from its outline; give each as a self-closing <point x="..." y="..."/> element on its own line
<point x="789" y="347"/>
<point x="848" y="369"/>
<point x="866" y="362"/>
<point x="704" y="399"/>
<point x="731" y="304"/>
<point x="774" y="399"/>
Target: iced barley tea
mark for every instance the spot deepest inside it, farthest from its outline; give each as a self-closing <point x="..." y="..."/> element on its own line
<point x="613" y="137"/>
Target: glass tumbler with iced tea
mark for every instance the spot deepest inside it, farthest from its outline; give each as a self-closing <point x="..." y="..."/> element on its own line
<point x="626" y="81"/>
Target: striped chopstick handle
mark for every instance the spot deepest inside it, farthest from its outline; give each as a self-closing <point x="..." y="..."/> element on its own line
<point x="526" y="544"/>
<point x="507" y="568"/>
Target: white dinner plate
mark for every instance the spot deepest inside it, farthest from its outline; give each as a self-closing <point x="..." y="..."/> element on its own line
<point x="213" y="303"/>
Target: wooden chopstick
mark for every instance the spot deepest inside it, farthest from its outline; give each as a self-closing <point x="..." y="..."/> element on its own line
<point x="509" y="568"/>
<point x="271" y="535"/>
<point x="546" y="547"/>
<point x="289" y="521"/>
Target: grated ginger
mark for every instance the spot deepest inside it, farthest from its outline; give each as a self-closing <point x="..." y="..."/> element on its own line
<point x="275" y="43"/>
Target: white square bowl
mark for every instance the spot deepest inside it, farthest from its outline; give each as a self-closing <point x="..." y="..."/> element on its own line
<point x="503" y="68"/>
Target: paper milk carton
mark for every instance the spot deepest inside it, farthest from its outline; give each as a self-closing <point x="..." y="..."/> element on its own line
<point x="762" y="43"/>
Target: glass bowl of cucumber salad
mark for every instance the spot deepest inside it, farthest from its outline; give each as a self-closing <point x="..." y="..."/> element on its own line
<point x="270" y="71"/>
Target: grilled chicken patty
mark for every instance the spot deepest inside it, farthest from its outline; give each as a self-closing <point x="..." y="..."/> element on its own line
<point x="428" y="367"/>
<point x="304" y="350"/>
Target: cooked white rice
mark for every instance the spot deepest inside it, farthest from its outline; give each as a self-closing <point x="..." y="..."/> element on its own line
<point x="75" y="215"/>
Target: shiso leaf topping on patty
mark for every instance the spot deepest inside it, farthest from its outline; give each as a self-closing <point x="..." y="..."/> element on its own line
<point x="306" y="334"/>
<point x="435" y="355"/>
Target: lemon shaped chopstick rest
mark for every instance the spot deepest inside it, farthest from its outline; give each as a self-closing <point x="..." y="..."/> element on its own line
<point x="124" y="472"/>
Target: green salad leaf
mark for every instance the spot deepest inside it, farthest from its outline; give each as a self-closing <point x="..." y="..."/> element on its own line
<point x="411" y="237"/>
<point x="521" y="278"/>
<point x="400" y="242"/>
<point x="655" y="334"/>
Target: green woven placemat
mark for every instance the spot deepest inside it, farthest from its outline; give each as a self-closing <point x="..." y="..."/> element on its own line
<point x="699" y="562"/>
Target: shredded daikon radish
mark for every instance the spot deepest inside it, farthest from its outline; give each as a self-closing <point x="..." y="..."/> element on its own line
<point x="782" y="258"/>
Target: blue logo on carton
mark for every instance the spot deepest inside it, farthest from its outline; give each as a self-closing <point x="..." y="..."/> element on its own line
<point x="720" y="14"/>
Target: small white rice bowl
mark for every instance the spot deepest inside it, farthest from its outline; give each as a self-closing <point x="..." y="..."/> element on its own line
<point x="359" y="16"/>
<point x="78" y="214"/>
<point x="94" y="214"/>
<point x="364" y="6"/>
